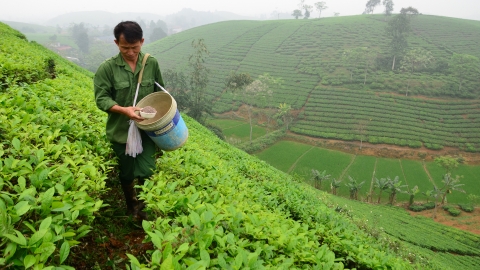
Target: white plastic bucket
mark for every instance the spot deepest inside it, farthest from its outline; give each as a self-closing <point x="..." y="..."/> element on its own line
<point x="167" y="128"/>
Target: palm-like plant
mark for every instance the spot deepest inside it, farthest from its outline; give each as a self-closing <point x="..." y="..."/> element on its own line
<point x="412" y="192"/>
<point x="451" y="184"/>
<point x="335" y="185"/>
<point x="318" y="178"/>
<point x="354" y="187"/>
<point x="381" y="184"/>
<point x="394" y="186"/>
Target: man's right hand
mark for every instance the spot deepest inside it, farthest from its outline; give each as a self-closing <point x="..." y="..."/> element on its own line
<point x="130" y="112"/>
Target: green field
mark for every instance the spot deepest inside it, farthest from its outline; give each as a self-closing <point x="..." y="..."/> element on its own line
<point x="283" y="154"/>
<point x="238" y="129"/>
<point x="302" y="158"/>
<point x="307" y="56"/>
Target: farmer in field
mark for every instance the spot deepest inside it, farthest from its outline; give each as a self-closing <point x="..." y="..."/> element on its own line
<point x="115" y="84"/>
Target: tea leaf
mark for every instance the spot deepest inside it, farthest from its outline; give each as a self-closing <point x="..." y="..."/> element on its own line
<point x="167" y="250"/>
<point x="37" y="237"/>
<point x="45" y="250"/>
<point x="16" y="143"/>
<point x="46" y="223"/>
<point x="168" y="263"/>
<point x="64" y="251"/>
<point x="22" y="207"/>
<point x="29" y="261"/>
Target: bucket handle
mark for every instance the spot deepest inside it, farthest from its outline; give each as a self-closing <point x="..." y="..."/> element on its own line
<point x="161" y="87"/>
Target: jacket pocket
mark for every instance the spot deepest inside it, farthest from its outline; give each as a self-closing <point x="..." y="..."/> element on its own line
<point x="147" y="86"/>
<point x="122" y="90"/>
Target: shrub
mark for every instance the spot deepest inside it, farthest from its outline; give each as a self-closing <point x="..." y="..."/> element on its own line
<point x="454" y="211"/>
<point x="417" y="208"/>
<point x="467" y="207"/>
<point x="429" y="205"/>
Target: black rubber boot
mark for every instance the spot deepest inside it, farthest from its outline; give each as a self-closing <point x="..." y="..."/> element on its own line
<point x="130" y="198"/>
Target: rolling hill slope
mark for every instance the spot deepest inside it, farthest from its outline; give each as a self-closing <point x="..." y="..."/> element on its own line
<point x="332" y="103"/>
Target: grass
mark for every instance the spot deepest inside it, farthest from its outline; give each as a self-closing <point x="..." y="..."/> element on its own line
<point x="284" y="154"/>
<point x="239" y="129"/>
<point x="333" y="162"/>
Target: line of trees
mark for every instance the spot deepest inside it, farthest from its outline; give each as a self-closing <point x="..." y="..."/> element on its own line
<point x="394" y="186"/>
<point x="305" y="9"/>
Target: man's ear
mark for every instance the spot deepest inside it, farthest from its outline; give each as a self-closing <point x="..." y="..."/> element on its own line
<point x="142" y="40"/>
<point x="116" y="41"/>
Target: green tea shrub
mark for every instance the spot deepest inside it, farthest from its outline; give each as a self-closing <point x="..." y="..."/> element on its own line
<point x="429" y="205"/>
<point x="416" y="208"/>
<point x="454" y="211"/>
<point x="466" y="207"/>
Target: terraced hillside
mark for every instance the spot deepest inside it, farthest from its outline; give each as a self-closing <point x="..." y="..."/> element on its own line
<point x="331" y="101"/>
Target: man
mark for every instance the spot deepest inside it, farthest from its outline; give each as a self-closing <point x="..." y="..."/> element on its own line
<point x="115" y="84"/>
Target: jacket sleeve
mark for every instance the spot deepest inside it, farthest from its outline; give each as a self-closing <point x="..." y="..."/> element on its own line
<point x="103" y="87"/>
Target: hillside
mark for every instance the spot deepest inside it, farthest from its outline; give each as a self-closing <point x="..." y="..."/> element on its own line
<point x="335" y="100"/>
<point x="211" y="205"/>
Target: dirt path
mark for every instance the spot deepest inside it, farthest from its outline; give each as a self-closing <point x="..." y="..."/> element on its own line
<point x="340" y="178"/>
<point x="372" y="182"/>
<point x="298" y="159"/>
<point x="428" y="174"/>
<point x="403" y="172"/>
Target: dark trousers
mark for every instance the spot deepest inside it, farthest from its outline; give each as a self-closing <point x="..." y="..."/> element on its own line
<point x="142" y="166"/>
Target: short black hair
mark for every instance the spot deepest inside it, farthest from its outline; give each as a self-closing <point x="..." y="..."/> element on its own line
<point x="131" y="31"/>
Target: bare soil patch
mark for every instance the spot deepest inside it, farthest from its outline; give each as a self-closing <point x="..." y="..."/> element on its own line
<point x="469" y="222"/>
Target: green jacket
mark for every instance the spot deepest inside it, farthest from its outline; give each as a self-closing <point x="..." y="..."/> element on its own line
<point x="114" y="83"/>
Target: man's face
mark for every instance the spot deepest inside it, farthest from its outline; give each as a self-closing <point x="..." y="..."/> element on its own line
<point x="129" y="51"/>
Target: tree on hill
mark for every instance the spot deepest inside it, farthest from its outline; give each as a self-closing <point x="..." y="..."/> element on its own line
<point x="80" y="36"/>
<point x="162" y="25"/>
<point x="388" y="4"/>
<point x="177" y="85"/>
<point x="199" y="105"/>
<point x="284" y="114"/>
<point x="464" y="67"/>
<point x="449" y="163"/>
<point x="370" y="6"/>
<point x="361" y="129"/>
<point x="306" y="7"/>
<point x="297" y="13"/>
<point x="398" y="29"/>
<point x="409" y="12"/>
<point x="320" y="6"/>
<point x="415" y="59"/>
<point x="157" y="34"/>
<point x="253" y="92"/>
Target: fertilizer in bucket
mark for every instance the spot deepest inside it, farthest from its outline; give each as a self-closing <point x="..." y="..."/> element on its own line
<point x="167" y="128"/>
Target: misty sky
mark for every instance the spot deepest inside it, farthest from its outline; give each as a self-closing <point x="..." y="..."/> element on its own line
<point x="41" y="10"/>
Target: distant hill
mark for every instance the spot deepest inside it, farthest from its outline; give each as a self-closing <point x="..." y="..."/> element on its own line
<point x="332" y="98"/>
<point x="100" y="18"/>
<point x="182" y="20"/>
<point x="188" y="18"/>
<point x="28" y="28"/>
